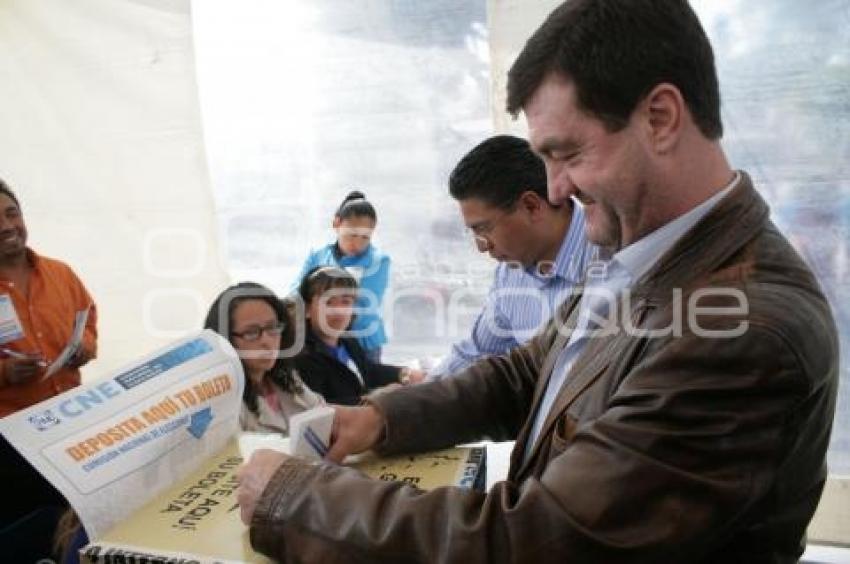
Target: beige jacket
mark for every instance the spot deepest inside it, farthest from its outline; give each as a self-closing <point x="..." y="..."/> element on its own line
<point x="267" y="419"/>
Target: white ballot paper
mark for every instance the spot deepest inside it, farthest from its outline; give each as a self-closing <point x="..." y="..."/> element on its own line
<point x="112" y="445"/>
<point x="10" y="324"/>
<point x="310" y="432"/>
<point x="73" y="345"/>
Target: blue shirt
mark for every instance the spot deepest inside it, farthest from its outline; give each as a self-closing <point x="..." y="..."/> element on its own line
<point x="625" y="268"/>
<point x="371" y="269"/>
<point x="521" y="300"/>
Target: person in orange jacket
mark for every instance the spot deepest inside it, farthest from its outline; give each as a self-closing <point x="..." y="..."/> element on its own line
<point x="39" y="300"/>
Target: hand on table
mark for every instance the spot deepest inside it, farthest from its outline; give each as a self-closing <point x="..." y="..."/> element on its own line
<point x="355" y="429"/>
<point x="253" y="478"/>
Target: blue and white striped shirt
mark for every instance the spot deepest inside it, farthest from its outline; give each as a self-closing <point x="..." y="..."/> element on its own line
<point x="521" y="300"/>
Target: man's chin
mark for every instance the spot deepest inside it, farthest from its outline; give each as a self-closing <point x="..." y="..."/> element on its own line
<point x="12" y="252"/>
<point x="601" y="237"/>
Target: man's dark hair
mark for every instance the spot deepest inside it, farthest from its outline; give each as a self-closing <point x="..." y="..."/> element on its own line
<point x="4" y="189"/>
<point x="615" y="52"/>
<point x="498" y="171"/>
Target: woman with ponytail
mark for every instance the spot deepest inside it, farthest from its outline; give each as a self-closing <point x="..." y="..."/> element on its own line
<point x="354" y="222"/>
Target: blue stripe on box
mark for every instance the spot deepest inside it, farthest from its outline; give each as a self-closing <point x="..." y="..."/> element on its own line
<point x="164" y="362"/>
<point x="314" y="441"/>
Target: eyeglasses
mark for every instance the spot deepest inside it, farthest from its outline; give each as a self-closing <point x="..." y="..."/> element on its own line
<point x="480" y="232"/>
<point x="254" y="332"/>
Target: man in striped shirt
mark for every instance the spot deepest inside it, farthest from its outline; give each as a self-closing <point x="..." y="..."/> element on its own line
<point x="501" y="188"/>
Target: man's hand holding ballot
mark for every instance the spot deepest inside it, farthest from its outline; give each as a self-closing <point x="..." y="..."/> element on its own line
<point x="354" y="430"/>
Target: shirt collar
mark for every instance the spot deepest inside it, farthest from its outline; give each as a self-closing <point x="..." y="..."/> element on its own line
<point x="642" y="255"/>
<point x="571" y="251"/>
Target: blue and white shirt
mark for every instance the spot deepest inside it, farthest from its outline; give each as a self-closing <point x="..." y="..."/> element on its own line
<point x="521" y="300"/>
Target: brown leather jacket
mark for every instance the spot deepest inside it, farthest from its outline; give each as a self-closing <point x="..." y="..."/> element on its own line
<point x="673" y="448"/>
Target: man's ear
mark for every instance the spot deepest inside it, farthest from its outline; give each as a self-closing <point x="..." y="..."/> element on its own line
<point x="531" y="202"/>
<point x="664" y="111"/>
<point x="337" y="222"/>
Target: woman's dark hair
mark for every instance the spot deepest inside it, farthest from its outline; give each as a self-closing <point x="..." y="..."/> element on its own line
<point x="4" y="189"/>
<point x="356" y="205"/>
<point x="615" y="53"/>
<point x="220" y="319"/>
<point x="323" y="278"/>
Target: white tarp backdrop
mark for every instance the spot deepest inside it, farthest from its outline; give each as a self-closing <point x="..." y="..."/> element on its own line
<point x="101" y="139"/>
<point x="304" y="100"/>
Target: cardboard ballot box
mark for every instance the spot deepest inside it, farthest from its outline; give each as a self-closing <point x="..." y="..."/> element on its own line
<point x="197" y="519"/>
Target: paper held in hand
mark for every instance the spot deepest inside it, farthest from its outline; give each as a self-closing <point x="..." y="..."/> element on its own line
<point x="73" y="345"/>
<point x="311" y="432"/>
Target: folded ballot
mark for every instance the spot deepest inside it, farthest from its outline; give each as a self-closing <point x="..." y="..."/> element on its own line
<point x="311" y="432"/>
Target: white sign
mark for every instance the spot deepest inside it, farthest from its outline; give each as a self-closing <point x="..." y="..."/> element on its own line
<point x="112" y="445"/>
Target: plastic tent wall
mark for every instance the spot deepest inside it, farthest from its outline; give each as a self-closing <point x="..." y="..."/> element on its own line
<point x="304" y="100"/>
<point x="101" y="140"/>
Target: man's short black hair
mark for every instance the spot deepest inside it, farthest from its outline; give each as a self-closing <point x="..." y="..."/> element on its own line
<point x="498" y="171"/>
<point x="615" y="52"/>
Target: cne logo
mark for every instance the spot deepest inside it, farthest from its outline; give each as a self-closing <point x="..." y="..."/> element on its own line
<point x="45" y="420"/>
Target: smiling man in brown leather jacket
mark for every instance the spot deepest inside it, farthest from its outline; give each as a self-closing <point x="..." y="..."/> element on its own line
<point x="678" y="410"/>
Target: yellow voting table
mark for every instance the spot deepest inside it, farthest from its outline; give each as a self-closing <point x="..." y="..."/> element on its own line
<point x="197" y="520"/>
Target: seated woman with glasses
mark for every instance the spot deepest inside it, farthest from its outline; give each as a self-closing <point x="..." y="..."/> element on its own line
<point x="333" y="363"/>
<point x="256" y="322"/>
